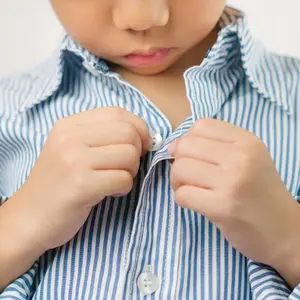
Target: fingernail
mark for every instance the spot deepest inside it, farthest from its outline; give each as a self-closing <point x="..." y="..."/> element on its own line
<point x="171" y="161"/>
<point x="172" y="147"/>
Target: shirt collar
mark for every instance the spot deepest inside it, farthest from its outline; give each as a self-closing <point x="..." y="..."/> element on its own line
<point x="254" y="57"/>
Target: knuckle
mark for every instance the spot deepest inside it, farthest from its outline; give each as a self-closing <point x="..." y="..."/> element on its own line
<point x="176" y="169"/>
<point x="70" y="157"/>
<point x="60" y="135"/>
<point x="60" y="124"/>
<point x="181" y="195"/>
<point x="183" y="143"/>
<point x="129" y="133"/>
<point x="245" y="159"/>
<point x="248" y="155"/>
<point x="251" y="149"/>
<point x="230" y="212"/>
<point x="63" y="139"/>
<point x="144" y="125"/>
<point x="255" y="141"/>
<point x="126" y="180"/>
<point x="177" y="175"/>
<point x="117" y="113"/>
<point x="235" y="187"/>
<point x="133" y="153"/>
<point x="132" y="158"/>
<point x="202" y="125"/>
<point x="78" y="182"/>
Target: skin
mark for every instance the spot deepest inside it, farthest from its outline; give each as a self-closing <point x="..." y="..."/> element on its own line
<point x="105" y="145"/>
<point x="112" y="29"/>
<point x="226" y="174"/>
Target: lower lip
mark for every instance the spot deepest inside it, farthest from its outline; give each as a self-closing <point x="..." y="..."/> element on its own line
<point x="148" y="60"/>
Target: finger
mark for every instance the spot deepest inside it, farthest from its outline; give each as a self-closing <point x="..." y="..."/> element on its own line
<point x="200" y="200"/>
<point x="109" y="182"/>
<point x="190" y="146"/>
<point x="115" y="157"/>
<point x="187" y="171"/>
<point x="112" y="114"/>
<point x="115" y="133"/>
<point x="218" y="130"/>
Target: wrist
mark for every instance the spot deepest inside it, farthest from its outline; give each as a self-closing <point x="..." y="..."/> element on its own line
<point x="289" y="269"/>
<point x="287" y="260"/>
<point x="18" y="232"/>
<point x="18" y="250"/>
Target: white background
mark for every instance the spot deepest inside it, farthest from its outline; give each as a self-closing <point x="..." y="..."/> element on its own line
<point x="29" y="31"/>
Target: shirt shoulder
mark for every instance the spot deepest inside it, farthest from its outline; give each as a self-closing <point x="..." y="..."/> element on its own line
<point x="280" y="76"/>
<point x="26" y="89"/>
<point x="285" y="65"/>
<point x="13" y="92"/>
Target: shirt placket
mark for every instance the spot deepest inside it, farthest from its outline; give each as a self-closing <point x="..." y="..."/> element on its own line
<point x="143" y="275"/>
<point x="140" y="277"/>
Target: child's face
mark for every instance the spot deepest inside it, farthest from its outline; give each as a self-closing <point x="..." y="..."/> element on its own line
<point x="112" y="29"/>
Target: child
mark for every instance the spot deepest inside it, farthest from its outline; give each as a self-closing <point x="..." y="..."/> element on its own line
<point x="155" y="156"/>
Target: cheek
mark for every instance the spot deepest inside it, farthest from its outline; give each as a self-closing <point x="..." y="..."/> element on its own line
<point x="194" y="13"/>
<point x="85" y="22"/>
<point x="197" y="18"/>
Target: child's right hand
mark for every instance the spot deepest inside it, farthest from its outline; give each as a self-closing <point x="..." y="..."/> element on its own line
<point x="86" y="158"/>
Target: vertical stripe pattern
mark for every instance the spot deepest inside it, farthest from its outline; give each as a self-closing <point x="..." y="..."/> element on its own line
<point x="238" y="82"/>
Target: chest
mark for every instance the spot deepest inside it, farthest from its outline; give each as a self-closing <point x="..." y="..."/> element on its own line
<point x="171" y="100"/>
<point x="168" y="94"/>
<point x="163" y="106"/>
<point x="124" y="236"/>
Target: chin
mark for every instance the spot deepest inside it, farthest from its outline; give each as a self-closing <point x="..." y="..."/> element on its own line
<point x="147" y="71"/>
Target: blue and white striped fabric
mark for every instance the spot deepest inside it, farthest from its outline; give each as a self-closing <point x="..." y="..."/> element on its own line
<point x="239" y="82"/>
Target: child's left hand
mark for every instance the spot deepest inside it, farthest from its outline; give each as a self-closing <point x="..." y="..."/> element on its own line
<point x="226" y="174"/>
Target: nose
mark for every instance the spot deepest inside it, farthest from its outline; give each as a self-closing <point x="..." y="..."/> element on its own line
<point x="140" y="15"/>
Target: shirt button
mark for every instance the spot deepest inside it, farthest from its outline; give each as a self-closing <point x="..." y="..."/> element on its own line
<point x="148" y="283"/>
<point x="90" y="68"/>
<point x="157" y="141"/>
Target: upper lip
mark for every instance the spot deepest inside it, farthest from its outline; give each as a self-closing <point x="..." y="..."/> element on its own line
<point x="147" y="52"/>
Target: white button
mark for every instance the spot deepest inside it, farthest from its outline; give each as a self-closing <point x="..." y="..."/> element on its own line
<point x="157" y="141"/>
<point x="147" y="282"/>
<point x="90" y="68"/>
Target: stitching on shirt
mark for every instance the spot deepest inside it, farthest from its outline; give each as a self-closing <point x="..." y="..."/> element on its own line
<point x="139" y="240"/>
<point x="166" y="252"/>
<point x="141" y="230"/>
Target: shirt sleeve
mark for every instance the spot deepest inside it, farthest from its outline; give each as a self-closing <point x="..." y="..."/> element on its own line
<point x="295" y="295"/>
<point x="22" y="288"/>
<point x="267" y="284"/>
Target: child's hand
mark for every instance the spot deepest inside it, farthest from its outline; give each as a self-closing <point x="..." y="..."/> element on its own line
<point x="226" y="174"/>
<point x="87" y="157"/>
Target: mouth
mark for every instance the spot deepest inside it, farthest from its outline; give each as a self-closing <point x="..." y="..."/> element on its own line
<point x="147" y="57"/>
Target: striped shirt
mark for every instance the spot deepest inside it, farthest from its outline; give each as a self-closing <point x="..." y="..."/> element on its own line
<point x="145" y="246"/>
